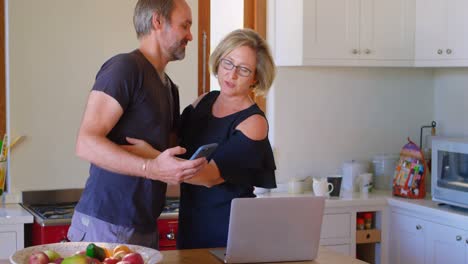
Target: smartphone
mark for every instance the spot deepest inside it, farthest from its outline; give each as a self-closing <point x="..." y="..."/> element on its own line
<point x="204" y="151"/>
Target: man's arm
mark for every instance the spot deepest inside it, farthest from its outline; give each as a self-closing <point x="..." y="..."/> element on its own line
<point x="101" y="114"/>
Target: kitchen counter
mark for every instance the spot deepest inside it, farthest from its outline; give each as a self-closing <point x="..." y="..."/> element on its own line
<point x="14" y="214"/>
<point x="346" y="199"/>
<point x="191" y="256"/>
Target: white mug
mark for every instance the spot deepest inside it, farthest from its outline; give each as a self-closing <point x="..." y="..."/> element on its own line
<point x="321" y="187"/>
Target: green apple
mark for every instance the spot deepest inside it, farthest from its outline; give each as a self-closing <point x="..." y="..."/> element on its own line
<point x="77" y="259"/>
<point x="80" y="259"/>
<point x="53" y="255"/>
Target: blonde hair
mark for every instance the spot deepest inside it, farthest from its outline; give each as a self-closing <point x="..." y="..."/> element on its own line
<point x="265" y="68"/>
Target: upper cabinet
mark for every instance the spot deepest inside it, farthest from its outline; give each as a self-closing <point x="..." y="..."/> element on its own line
<point x="342" y="32"/>
<point x="441" y="33"/>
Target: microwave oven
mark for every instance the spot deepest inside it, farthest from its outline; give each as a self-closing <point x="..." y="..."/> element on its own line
<point x="450" y="171"/>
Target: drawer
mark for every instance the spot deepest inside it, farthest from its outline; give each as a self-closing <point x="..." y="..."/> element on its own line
<point x="167" y="233"/>
<point x="367" y="236"/>
<point x="336" y="226"/>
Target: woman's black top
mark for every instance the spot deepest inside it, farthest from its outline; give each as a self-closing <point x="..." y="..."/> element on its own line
<point x="243" y="163"/>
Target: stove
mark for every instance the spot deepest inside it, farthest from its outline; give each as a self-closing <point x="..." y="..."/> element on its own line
<point x="171" y="206"/>
<point x="52" y="211"/>
<point x="53" y="214"/>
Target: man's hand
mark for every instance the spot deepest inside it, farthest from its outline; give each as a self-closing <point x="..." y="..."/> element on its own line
<point x="140" y="148"/>
<point x="172" y="170"/>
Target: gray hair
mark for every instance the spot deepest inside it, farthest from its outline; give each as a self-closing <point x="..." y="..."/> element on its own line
<point x="144" y="10"/>
<point x="265" y="68"/>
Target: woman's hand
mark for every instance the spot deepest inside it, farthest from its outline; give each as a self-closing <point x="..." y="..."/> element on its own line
<point x="140" y="148"/>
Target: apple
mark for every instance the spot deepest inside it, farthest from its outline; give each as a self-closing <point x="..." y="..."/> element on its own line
<point x="81" y="252"/>
<point x="110" y="261"/>
<point x="124" y="262"/>
<point x="38" y="258"/>
<point x="134" y="258"/>
<point x="58" y="261"/>
<point x="53" y="255"/>
<point x="80" y="259"/>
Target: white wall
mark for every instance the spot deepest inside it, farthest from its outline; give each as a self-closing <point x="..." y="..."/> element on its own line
<point x="451" y="101"/>
<point x="324" y="116"/>
<point x="55" y="51"/>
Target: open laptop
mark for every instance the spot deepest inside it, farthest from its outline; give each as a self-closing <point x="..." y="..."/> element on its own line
<point x="273" y="229"/>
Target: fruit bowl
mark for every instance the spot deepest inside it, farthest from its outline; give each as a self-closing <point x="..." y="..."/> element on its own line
<point x="69" y="248"/>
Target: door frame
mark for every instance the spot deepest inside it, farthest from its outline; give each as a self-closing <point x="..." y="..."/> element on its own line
<point x="254" y="18"/>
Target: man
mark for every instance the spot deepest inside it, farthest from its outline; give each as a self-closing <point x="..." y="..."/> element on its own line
<point x="132" y="96"/>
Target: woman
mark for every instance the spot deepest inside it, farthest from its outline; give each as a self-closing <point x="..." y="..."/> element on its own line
<point x="242" y="63"/>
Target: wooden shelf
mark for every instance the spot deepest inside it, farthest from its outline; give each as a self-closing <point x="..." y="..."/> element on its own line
<point x="367" y="236"/>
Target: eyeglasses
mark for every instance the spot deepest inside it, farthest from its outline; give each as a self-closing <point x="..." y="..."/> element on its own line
<point x="242" y="71"/>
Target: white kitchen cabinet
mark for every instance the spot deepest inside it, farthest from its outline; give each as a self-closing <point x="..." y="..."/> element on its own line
<point x="421" y="241"/>
<point x="342" y="32"/>
<point x="441" y="37"/>
<point x="407" y="239"/>
<point x="444" y="239"/>
<point x="336" y="232"/>
<point x="11" y="239"/>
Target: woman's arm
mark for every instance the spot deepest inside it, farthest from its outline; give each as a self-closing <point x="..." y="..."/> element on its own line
<point x="255" y="128"/>
<point x="209" y="176"/>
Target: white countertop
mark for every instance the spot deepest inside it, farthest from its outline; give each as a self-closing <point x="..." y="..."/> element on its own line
<point x="346" y="199"/>
<point x="14" y="214"/>
<point x="424" y="208"/>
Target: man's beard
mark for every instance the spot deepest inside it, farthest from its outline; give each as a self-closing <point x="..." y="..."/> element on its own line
<point x="177" y="50"/>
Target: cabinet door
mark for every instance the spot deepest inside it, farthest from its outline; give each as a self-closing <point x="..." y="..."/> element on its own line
<point x="387" y="29"/>
<point x="445" y="245"/>
<point x="457" y="21"/>
<point x="407" y="238"/>
<point x="441" y="30"/>
<point x="343" y="249"/>
<point x="431" y="29"/>
<point x="331" y="29"/>
<point x="7" y="244"/>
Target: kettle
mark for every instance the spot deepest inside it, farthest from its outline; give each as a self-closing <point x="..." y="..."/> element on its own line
<point x="351" y="171"/>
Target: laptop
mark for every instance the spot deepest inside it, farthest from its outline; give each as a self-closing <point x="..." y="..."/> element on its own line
<point x="273" y="230"/>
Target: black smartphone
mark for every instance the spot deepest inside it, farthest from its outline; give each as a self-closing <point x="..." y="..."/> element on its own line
<point x="204" y="151"/>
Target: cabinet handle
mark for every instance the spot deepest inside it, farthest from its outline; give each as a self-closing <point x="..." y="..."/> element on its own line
<point x="355" y="51"/>
<point x="448" y="51"/>
<point x="418" y="227"/>
<point x="170" y="235"/>
<point x="458" y="238"/>
<point x="439" y="51"/>
<point x="466" y="241"/>
<point x="367" y="51"/>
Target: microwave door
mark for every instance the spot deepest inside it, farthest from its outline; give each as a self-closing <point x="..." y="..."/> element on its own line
<point x="454" y="171"/>
<point x="463" y="165"/>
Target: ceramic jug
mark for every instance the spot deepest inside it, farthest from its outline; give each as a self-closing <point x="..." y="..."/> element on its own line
<point x="321" y="187"/>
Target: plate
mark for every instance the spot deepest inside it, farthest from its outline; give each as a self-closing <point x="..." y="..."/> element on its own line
<point x="69" y="248"/>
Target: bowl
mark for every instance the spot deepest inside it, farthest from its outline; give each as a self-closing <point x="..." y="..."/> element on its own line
<point x="70" y="248"/>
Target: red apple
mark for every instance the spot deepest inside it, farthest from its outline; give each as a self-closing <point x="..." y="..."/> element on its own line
<point x="110" y="261"/>
<point x="58" y="261"/>
<point x="38" y="258"/>
<point x="133" y="258"/>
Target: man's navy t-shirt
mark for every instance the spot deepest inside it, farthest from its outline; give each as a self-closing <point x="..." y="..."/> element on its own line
<point x="150" y="112"/>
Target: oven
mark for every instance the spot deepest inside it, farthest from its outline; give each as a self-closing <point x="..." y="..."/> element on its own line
<point x="168" y="224"/>
<point x="52" y="211"/>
